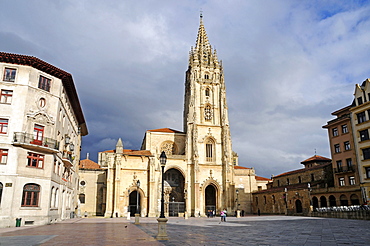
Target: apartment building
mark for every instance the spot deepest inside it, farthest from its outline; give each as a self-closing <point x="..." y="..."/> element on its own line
<point x="361" y="123"/>
<point x="41" y="125"/>
<point x="343" y="154"/>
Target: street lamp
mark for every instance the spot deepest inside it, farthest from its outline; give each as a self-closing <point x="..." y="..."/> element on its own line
<point x="162" y="231"/>
<point x="137" y="215"/>
<point x="309" y="197"/>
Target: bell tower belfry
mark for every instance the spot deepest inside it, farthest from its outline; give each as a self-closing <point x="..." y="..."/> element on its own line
<point x="208" y="149"/>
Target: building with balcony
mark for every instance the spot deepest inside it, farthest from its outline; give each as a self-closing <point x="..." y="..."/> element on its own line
<point x="343" y="154"/>
<point x="361" y="124"/>
<point x="41" y="125"/>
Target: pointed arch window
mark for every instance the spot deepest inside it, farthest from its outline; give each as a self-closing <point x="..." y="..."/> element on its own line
<point x="207" y="92"/>
<point x="209" y="150"/>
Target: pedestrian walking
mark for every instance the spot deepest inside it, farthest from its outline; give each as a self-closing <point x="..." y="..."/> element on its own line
<point x="223" y="215"/>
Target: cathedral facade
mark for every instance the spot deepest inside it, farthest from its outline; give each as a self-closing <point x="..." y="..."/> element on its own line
<point x="202" y="172"/>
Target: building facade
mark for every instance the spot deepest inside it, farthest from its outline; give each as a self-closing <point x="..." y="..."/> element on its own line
<point x="299" y="191"/>
<point x="200" y="173"/>
<point x="361" y="124"/>
<point x="92" y="189"/>
<point x="343" y="154"/>
<point x="41" y="125"/>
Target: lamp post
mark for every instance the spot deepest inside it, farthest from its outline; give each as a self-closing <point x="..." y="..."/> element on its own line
<point x="162" y="231"/>
<point x="286" y="201"/>
<point x="237" y="204"/>
<point x="185" y="198"/>
<point x="309" y="197"/>
<point x="137" y="215"/>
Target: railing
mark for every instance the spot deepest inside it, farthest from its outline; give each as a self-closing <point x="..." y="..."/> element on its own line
<point x="345" y="169"/>
<point x="343" y="208"/>
<point x="24" y="138"/>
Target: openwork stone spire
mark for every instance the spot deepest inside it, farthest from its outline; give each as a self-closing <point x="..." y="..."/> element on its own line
<point x="203" y="52"/>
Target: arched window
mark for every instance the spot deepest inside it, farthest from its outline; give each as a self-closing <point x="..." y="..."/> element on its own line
<point x="52" y="197"/>
<point x="31" y="194"/>
<point x="264" y="198"/>
<point x="56" y="200"/>
<point x="273" y="199"/>
<point x="209" y="150"/>
<point x="206" y="76"/>
<point x="207" y="92"/>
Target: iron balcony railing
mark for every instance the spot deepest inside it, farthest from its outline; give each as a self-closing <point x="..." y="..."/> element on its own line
<point x="29" y="139"/>
<point x="345" y="169"/>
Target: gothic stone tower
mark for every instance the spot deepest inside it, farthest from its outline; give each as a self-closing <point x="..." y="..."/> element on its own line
<point x="208" y="143"/>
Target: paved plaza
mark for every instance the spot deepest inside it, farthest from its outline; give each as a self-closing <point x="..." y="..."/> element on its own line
<point x="249" y="230"/>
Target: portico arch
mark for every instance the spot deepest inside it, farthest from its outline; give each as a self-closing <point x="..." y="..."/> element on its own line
<point x="174" y="192"/>
<point x="323" y="202"/>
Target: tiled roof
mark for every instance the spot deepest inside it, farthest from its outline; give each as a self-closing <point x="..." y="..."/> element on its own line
<point x="88" y="164"/>
<point x="168" y="130"/>
<point x="302" y="170"/>
<point x="239" y="167"/>
<point x="54" y="71"/>
<point x="132" y="152"/>
<point x="262" y="179"/>
<point x="316" y="158"/>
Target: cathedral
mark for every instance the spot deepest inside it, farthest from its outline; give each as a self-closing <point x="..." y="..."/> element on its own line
<point x="201" y="174"/>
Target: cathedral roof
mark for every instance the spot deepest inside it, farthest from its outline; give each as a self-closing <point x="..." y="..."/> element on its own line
<point x="88" y="164"/>
<point x="169" y="130"/>
<point x="259" y="178"/>
<point x="132" y="152"/>
<point x="239" y="167"/>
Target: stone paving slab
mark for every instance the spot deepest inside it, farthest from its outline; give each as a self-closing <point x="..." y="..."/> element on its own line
<point x="250" y="230"/>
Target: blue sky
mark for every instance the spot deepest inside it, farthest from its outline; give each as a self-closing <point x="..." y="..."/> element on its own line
<point x="288" y="65"/>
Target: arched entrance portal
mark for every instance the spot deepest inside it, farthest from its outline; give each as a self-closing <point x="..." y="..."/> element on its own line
<point x="174" y="191"/>
<point x="210" y="198"/>
<point x="134" y="199"/>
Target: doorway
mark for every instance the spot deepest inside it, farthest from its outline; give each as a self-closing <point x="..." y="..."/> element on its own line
<point x="210" y="198"/>
<point x="133" y="203"/>
<point x="298" y="206"/>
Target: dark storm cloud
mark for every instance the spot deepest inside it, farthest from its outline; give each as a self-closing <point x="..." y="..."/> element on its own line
<point x="287" y="66"/>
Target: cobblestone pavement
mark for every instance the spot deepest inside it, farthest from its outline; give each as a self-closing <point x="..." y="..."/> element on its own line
<point x="249" y="230"/>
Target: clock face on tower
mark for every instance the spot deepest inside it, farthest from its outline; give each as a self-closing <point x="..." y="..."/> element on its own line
<point x="208" y="112"/>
